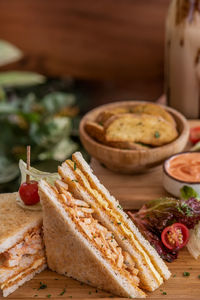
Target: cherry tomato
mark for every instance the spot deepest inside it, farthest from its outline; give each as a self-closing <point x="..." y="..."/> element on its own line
<point x="175" y="237"/>
<point x="29" y="192"/>
<point x="195" y="135"/>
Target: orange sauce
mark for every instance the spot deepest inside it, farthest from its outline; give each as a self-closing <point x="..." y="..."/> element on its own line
<point x="185" y="167"/>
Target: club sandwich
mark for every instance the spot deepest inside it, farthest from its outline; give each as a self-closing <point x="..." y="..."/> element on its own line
<point x="89" y="237"/>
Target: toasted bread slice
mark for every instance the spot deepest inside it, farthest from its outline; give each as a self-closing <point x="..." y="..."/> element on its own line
<point x="155" y="110"/>
<point x="15" y="221"/>
<point x="142" y="128"/>
<point x="95" y="130"/>
<point x="105" y="115"/>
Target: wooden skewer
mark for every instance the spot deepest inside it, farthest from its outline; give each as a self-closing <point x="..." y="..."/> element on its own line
<point x="28" y="162"/>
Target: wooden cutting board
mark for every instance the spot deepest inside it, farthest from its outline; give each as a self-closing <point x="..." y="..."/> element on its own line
<point x="132" y="192"/>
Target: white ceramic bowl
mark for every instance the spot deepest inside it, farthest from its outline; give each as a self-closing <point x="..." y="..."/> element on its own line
<point x="173" y="185"/>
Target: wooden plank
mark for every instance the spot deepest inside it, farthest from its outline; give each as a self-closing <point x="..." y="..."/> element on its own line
<point x="105" y="39"/>
<point x="128" y="189"/>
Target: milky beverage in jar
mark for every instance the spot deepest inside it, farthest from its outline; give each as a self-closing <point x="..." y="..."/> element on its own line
<point x="182" y="57"/>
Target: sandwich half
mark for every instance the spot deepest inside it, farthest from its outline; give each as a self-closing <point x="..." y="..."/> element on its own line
<point x="97" y="242"/>
<point x="85" y="185"/>
<point x="79" y="246"/>
<point x="21" y="245"/>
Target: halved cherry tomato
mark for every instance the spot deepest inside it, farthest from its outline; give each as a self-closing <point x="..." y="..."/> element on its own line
<point x="29" y="192"/>
<point x="175" y="237"/>
<point x="195" y="135"/>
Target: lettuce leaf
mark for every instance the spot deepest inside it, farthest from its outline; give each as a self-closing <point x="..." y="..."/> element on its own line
<point x="188" y="192"/>
<point x="157" y="214"/>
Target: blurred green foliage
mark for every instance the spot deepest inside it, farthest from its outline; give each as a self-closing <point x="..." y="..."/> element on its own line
<point x="44" y="123"/>
<point x="36" y="111"/>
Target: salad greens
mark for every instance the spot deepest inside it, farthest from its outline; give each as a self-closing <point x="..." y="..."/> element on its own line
<point x="157" y="214"/>
<point x="36" y="174"/>
<point x="188" y="192"/>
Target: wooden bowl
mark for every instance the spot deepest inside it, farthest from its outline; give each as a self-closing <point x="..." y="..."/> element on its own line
<point x="132" y="161"/>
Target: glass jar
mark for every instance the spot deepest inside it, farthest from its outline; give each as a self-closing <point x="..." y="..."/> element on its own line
<point x="182" y="57"/>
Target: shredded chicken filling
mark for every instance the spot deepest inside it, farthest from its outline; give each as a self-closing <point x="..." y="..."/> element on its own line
<point x="103" y="239"/>
<point x="30" y="245"/>
<point x="20" y="256"/>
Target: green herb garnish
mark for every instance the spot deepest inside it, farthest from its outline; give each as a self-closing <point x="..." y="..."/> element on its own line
<point x="90" y="293"/>
<point x="119" y="223"/>
<point x="74" y="180"/>
<point x="49" y="296"/>
<point x="42" y="286"/>
<point x="164" y="293"/>
<point x="63" y="292"/>
<point x="199" y="276"/>
<point x="156" y="134"/>
<point x="186" y="274"/>
<point x="74" y="166"/>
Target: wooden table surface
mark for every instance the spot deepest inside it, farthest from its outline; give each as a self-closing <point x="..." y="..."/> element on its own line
<point x="132" y="191"/>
